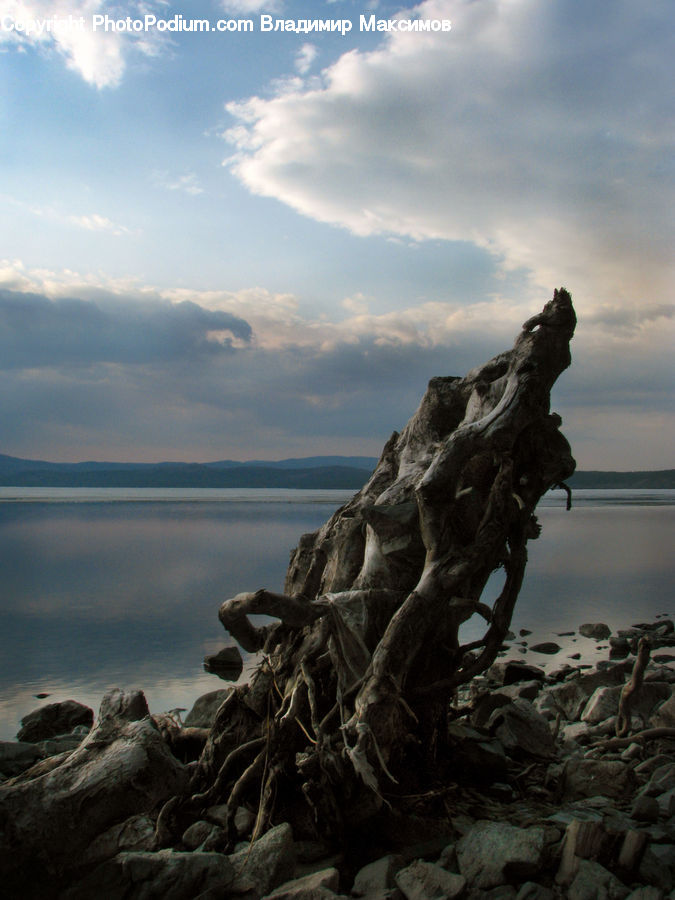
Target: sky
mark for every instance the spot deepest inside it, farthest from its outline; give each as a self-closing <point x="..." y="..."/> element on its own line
<point x="262" y="244"/>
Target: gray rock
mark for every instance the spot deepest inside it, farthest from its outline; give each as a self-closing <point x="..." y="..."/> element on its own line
<point x="494" y="853"/>
<point x="205" y="708"/>
<point x="165" y="875"/>
<point x="511" y="671"/>
<point x="647" y="892"/>
<point x="267" y="863"/>
<point x="53" y="719"/>
<point x="645" y="809"/>
<point x="592" y="777"/>
<point x="197" y="833"/>
<point x="546" y="647"/>
<point x="653" y="870"/>
<point x="377" y="877"/>
<point x="533" y="891"/>
<point x="572" y="696"/>
<point x="226" y="664"/>
<point x="135" y="833"/>
<point x="666" y="803"/>
<point x="426" y="881"/>
<point x="662" y="779"/>
<point x="664" y="715"/>
<point x="603" y="703"/>
<point x="315" y="886"/>
<point x="131" y="706"/>
<point x="528" y="690"/>
<point x="521" y="728"/>
<point x="597" y="630"/>
<point x="60" y="743"/>
<point x="17" y="756"/>
<point x="593" y="881"/>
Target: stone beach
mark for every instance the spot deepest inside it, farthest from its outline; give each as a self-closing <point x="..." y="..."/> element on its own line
<point x="546" y="801"/>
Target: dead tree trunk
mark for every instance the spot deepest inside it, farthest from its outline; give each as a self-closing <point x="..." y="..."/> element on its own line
<point x="357" y="677"/>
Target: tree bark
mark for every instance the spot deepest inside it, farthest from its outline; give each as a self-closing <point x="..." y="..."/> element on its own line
<point x="359" y="673"/>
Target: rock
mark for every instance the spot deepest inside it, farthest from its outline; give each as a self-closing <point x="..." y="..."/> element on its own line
<point x="662" y="779"/>
<point x="597" y="630"/>
<point x="486" y="705"/>
<point x="666" y="802"/>
<point x="524" y="632"/>
<point x="315" y="886"/>
<point x="205" y="708"/>
<point x="593" y="881"/>
<point x="630" y="854"/>
<point x="226" y="664"/>
<point x="377" y="877"/>
<point x="244" y="820"/>
<point x="60" y="743"/>
<point x="645" y="809"/>
<point x="135" y="833"/>
<point x="426" y="881"/>
<point x="527" y="690"/>
<point x="120" y="770"/>
<point x="572" y="696"/>
<point x="547" y="647"/>
<point x="632" y="751"/>
<point x="647" y="892"/>
<point x="266" y="863"/>
<point x="128" y="706"/>
<point x="603" y="703"/>
<point x="583" y="840"/>
<point x="511" y="671"/>
<point x="533" y="891"/>
<point x="17" y="756"/>
<point x="664" y="715"/>
<point x="494" y="853"/>
<point x="590" y="777"/>
<point x="197" y="833"/>
<point x="165" y="875"/>
<point x="655" y="871"/>
<point x="521" y="728"/>
<point x="55" y="718"/>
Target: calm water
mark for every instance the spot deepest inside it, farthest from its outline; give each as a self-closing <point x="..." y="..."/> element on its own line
<point x="120" y="588"/>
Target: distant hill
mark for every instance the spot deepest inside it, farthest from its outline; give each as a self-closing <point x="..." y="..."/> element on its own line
<point x="316" y="472"/>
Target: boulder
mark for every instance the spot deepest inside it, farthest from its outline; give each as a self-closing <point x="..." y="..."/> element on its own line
<point x="511" y="671"/>
<point x="593" y="881"/>
<point x="662" y="779"/>
<point x="593" y="777"/>
<point x="547" y="647"/>
<point x="315" y="886"/>
<point x="426" y="881"/>
<point x="227" y="664"/>
<point x="571" y="696"/>
<point x="664" y="714"/>
<point x="521" y="728"/>
<point x="533" y="891"/>
<point x="164" y="875"/>
<point x="205" y="708"/>
<point x="597" y="630"/>
<point x="377" y="877"/>
<point x="495" y="853"/>
<point x="17" y="756"/>
<point x="53" y="719"/>
<point x="603" y="703"/>
<point x="266" y="863"/>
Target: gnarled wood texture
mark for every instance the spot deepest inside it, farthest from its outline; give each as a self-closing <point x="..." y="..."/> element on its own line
<point x="359" y="673"/>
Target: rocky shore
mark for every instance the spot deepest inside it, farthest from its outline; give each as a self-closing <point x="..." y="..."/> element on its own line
<point x="546" y="801"/>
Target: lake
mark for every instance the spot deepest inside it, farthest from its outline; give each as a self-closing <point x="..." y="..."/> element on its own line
<point x="120" y="588"/>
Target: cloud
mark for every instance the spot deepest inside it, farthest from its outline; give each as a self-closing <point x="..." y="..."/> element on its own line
<point x="95" y="222"/>
<point x="97" y="368"/>
<point x="305" y="57"/>
<point x="37" y="332"/>
<point x="532" y="130"/>
<point x="247" y="7"/>
<point x="187" y="183"/>
<point x="99" y="57"/>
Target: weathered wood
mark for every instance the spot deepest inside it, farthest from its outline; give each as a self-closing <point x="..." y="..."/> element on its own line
<point x="631" y="689"/>
<point x="360" y="671"/>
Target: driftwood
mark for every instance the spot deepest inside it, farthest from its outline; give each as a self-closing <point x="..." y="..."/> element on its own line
<point x="631" y="689"/>
<point x="351" y="698"/>
<point x="50" y="814"/>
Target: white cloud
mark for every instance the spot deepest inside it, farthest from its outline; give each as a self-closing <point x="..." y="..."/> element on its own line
<point x="532" y="129"/>
<point x="305" y="57"/>
<point x="99" y="57"/>
<point x="187" y="183"/>
<point x="247" y="7"/>
<point x="95" y="222"/>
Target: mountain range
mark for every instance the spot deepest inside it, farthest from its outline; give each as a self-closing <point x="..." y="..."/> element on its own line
<point x="347" y="472"/>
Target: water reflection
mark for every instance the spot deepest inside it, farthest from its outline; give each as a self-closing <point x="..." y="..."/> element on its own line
<point x="98" y="594"/>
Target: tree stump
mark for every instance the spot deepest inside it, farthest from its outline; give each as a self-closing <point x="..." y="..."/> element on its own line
<point x="349" y="704"/>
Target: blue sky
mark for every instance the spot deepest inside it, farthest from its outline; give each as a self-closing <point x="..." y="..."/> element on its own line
<point x="261" y="245"/>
